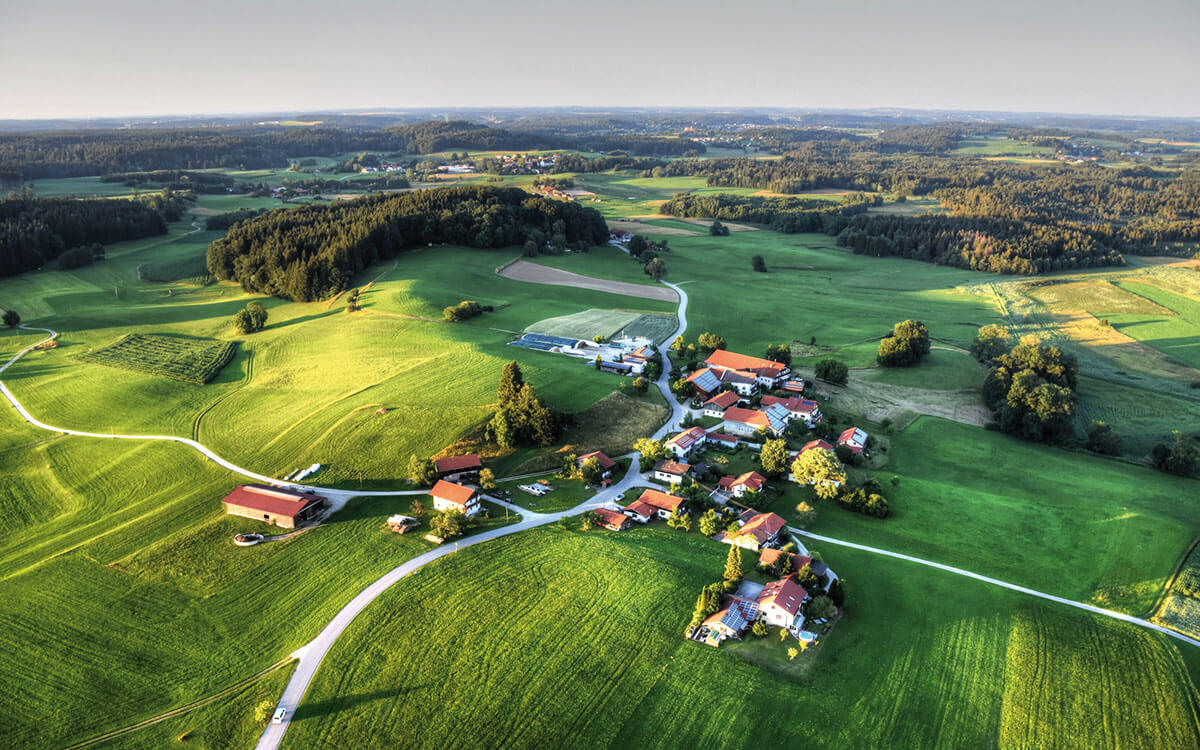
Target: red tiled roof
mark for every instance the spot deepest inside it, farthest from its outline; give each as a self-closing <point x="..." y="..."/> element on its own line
<point x="723" y="400"/>
<point x="816" y="444"/>
<point x="642" y="509"/>
<point x="605" y="461"/>
<point x="455" y="493"/>
<point x="672" y="467"/>
<point x="746" y="416"/>
<point x="271" y="500"/>
<point x="752" y="480"/>
<point x="458" y="463"/>
<point x="734" y="361"/>
<point x="785" y="594"/>
<point x="688" y="437"/>
<point x="852" y="434"/>
<point x="607" y="517"/>
<point x="723" y="437"/>
<point x="660" y="500"/>
<point x="793" y="403"/>
<point x="768" y="556"/>
<point x="763" y="526"/>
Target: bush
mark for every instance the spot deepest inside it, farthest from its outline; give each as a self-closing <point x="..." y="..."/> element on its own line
<point x="1102" y="439"/>
<point x="464" y="310"/>
<point x="759" y="628"/>
<point x="758" y="263"/>
<point x="906" y="346"/>
<point x="833" y="371"/>
<point x="11" y="318"/>
<point x="717" y="229"/>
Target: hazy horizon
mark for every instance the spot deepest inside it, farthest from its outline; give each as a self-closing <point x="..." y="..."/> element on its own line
<point x="129" y="58"/>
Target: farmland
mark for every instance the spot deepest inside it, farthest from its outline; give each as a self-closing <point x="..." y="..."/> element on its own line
<point x="1180" y="608"/>
<point x="194" y="361"/>
<point x="609" y="324"/>
<point x="584" y="650"/>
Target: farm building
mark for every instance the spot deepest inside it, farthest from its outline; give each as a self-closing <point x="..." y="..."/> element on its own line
<point x="612" y="520"/>
<point x="716" y="406"/>
<point x="683" y="444"/>
<point x="663" y="503"/>
<point x="451" y="496"/>
<point x="639" y="511"/>
<point x="794" y="386"/>
<point x="798" y="408"/>
<point x="854" y="439"/>
<point x="273" y="505"/>
<point x="606" y="464"/>
<point x="745" y="422"/>
<point x="767" y="373"/>
<point x="468" y="464"/>
<point x="708" y="381"/>
<point x="671" y="472"/>
<point x="721" y="440"/>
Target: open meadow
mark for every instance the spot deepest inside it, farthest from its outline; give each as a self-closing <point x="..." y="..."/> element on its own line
<point x="584" y="648"/>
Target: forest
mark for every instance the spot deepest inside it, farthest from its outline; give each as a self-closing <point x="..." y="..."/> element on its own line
<point x="34" y="231"/>
<point x="783" y="214"/>
<point x="311" y="251"/>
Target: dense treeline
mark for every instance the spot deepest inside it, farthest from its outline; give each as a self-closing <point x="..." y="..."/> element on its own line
<point x="309" y="252"/>
<point x="992" y="245"/>
<point x="783" y="214"/>
<point x="226" y="220"/>
<point x="34" y="231"/>
<point x="176" y="179"/>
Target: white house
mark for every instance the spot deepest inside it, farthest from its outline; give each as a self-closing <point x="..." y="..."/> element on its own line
<point x="737" y="486"/>
<point x="687" y="442"/>
<point x="765" y="372"/>
<point x="451" y="496"/>
<point x="663" y="503"/>
<point x="797" y="408"/>
<point x="671" y="472"/>
<point x="716" y="406"/>
<point x="779" y="604"/>
<point x="854" y="439"/>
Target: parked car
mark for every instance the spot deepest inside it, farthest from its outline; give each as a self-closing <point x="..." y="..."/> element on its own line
<point x="279" y="716"/>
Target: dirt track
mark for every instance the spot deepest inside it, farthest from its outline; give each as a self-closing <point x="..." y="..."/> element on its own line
<point x="522" y="270"/>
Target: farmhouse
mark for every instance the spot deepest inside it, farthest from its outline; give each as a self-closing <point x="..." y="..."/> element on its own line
<point x="672" y="472"/>
<point x="662" y="503"/>
<point x="683" y="444"/>
<point x="779" y="604"/>
<point x="737" y="486"/>
<point x="451" y="496"/>
<point x="273" y="505"/>
<point x="606" y="464"/>
<point x="468" y="464"/>
<point x="639" y="511"/>
<point x="716" y="406"/>
<point x="745" y="422"/>
<point x="611" y="519"/>
<point x="620" y="368"/>
<point x="798" y="408"/>
<point x="767" y="373"/>
<point x="758" y="530"/>
<point x="708" y="381"/>
<point x="854" y="439"/>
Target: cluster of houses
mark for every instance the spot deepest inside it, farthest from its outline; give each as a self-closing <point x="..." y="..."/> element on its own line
<point x="526" y="164"/>
<point x="626" y="355"/>
<point x="382" y="168"/>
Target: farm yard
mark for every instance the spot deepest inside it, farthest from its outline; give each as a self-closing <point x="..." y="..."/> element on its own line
<point x="194" y="361"/>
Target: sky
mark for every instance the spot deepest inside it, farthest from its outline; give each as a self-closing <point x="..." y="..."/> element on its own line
<point x="102" y="58"/>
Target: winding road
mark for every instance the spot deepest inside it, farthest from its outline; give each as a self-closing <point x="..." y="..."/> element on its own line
<point x="310" y="656"/>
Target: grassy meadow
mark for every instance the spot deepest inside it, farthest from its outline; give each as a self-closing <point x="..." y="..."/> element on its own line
<point x="584" y="649"/>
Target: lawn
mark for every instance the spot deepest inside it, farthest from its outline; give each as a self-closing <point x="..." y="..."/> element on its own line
<point x="941" y="369"/>
<point x="584" y="649"/>
<point x="567" y="493"/>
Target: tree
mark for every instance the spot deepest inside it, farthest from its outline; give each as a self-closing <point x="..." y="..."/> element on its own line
<point x="681" y="388"/>
<point x="448" y="524"/>
<point x="781" y="353"/>
<point x="656" y="269"/>
<point x="258" y="315"/>
<point x="820" y="468"/>
<point x="487" y="479"/>
<point x="758" y="263"/>
<point x="679" y="521"/>
<point x="638" y="245"/>
<point x="651" y="450"/>
<point x="807" y="578"/>
<point x="242" y="322"/>
<point x="11" y="318"/>
<point x="421" y="471"/>
<point x="805" y="515"/>
<point x="906" y="346"/>
<point x="820" y="608"/>
<point x="1101" y="438"/>
<point x="263" y="711"/>
<point x="511" y="381"/>
<point x="591" y="471"/>
<point x="759" y="628"/>
<point x="709" y="601"/>
<point x="711" y="341"/>
<point x="1180" y="457"/>
<point x="588" y="520"/>
<point x="501" y="429"/>
<point x="792" y="653"/>
<point x="709" y="523"/>
<point x="717" y="229"/>
<point x="990" y="342"/>
<point x="417" y="508"/>
<point x="774" y="457"/>
<point x="837" y="593"/>
<point x="733" y="564"/>
<point x="640" y="384"/>
<point x="832" y="371"/>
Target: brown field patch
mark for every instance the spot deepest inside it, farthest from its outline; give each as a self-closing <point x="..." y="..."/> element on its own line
<point x="205" y="211"/>
<point x="639" y="228"/>
<point x="523" y="270"/>
<point x="1128" y="353"/>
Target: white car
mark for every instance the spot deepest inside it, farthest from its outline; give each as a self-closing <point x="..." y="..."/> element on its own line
<point x="279" y="716"/>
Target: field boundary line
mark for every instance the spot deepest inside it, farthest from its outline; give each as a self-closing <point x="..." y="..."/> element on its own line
<point x="184" y="709"/>
<point x="1131" y="619"/>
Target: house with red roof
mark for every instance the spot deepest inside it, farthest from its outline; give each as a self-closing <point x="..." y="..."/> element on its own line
<point x="716" y="406"/>
<point x="733" y="619"/>
<point x="766" y="373"/>
<point x="468" y="464"/>
<point x="708" y="381"/>
<point x="768" y="557"/>
<point x="798" y="408"/>
<point x="273" y="505"/>
<point x="737" y="486"/>
<point x="758" y="530"/>
<point x="780" y="602"/>
<point x="455" y="497"/>
<point x="639" y="511"/>
<point x="687" y="442"/>
<point x="664" y="504"/>
<point x="720" y="439"/>
<point x="854" y="439"/>
<point x="745" y="422"/>
<point x="606" y="464"/>
<point x="612" y="520"/>
<point x="671" y="472"/>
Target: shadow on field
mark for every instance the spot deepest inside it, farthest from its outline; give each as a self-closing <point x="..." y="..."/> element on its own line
<point x="324" y="708"/>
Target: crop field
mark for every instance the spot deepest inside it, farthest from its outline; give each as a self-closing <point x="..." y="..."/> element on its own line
<point x="194" y="361"/>
<point x="584" y="649"/>
<point x="999" y="146"/>
<point x="609" y="324"/>
<point x="1175" y="332"/>
<point x="1180" y="608"/>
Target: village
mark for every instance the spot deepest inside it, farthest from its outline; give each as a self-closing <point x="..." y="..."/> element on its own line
<point x="746" y="402"/>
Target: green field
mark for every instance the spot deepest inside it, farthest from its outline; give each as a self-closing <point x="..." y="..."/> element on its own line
<point x="941" y="369"/>
<point x="584" y="649"/>
<point x="1175" y="333"/>
<point x="189" y="360"/>
<point x="609" y="324"/>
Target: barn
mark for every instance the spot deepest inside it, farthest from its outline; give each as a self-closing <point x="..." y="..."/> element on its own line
<point x="273" y="505"/>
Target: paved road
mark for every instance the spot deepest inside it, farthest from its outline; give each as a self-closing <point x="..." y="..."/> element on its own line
<point x="1003" y="584"/>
